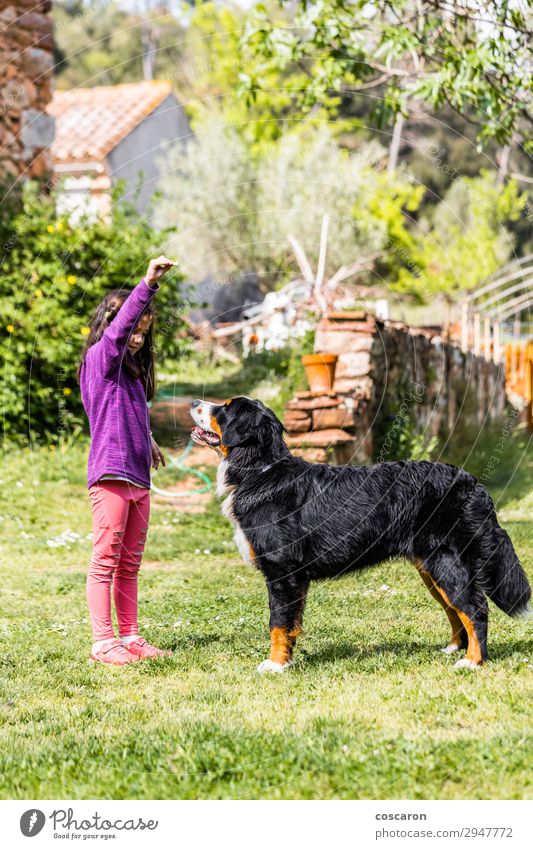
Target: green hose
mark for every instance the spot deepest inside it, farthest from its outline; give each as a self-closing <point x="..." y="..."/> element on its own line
<point x="177" y="463"/>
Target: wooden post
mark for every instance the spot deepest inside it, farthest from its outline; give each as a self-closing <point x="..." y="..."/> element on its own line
<point x="496" y="352"/>
<point x="447" y="319"/>
<point x="301" y="259"/>
<point x="396" y="140"/>
<point x="321" y="301"/>
<point x="464" y="327"/>
<point x="516" y="361"/>
<point x="477" y="334"/>
<point x="509" y="367"/>
<point x="487" y="338"/>
<point x="503" y="164"/>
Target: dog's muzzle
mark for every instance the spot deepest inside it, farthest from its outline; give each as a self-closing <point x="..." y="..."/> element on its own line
<point x="203" y="433"/>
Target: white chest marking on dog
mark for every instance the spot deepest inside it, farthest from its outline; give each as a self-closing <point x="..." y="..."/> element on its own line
<point x="238" y="537"/>
<point x="223" y="487"/>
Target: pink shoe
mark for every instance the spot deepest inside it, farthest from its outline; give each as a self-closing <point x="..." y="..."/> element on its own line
<point x="142" y="649"/>
<point x="113" y="652"/>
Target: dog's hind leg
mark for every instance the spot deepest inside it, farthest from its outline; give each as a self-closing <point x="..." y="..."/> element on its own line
<point x="459" y="638"/>
<point x="459" y="590"/>
<point x="287" y="602"/>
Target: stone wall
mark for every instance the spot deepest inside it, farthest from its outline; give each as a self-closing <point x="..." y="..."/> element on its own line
<point x="392" y="383"/>
<point x="427" y="385"/>
<point x="26" y="65"/>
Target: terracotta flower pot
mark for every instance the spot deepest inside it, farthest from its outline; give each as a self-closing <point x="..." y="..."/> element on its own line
<point x="320" y="371"/>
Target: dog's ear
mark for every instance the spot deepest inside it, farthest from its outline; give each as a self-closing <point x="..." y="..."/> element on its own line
<point x="234" y="434"/>
<point x="268" y="424"/>
<point x="258" y="422"/>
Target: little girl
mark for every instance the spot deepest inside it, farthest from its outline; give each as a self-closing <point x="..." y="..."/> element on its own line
<point x="116" y="377"/>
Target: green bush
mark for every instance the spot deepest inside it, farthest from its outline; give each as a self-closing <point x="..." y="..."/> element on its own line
<point x="53" y="276"/>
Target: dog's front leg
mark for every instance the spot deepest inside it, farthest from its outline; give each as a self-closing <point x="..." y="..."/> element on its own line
<point x="287" y="601"/>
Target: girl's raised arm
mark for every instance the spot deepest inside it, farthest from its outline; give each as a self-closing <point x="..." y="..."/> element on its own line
<point x="115" y="338"/>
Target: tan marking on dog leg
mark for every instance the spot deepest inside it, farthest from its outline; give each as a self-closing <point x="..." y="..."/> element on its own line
<point x="473" y="655"/>
<point x="282" y="642"/>
<point x="453" y="617"/>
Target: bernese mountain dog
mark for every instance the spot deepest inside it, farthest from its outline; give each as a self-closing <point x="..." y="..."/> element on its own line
<point x="298" y="522"/>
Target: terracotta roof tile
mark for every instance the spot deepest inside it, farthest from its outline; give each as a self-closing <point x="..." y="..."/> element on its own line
<point x="90" y="122"/>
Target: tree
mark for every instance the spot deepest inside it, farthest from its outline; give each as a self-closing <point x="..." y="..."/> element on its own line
<point x="473" y="58"/>
<point x="212" y="69"/>
<point x="463" y="239"/>
<point x="102" y="43"/>
<point x="234" y="208"/>
<point x="106" y="43"/>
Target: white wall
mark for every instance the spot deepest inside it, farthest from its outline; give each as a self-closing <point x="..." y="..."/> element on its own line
<point x="144" y="147"/>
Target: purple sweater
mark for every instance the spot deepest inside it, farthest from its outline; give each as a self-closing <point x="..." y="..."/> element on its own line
<point x="115" y="404"/>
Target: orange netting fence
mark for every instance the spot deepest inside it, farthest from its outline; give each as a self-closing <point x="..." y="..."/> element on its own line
<point x="519" y="373"/>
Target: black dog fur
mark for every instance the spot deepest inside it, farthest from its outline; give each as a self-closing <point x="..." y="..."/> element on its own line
<point x="306" y="521"/>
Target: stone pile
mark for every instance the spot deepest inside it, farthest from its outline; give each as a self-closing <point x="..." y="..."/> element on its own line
<point x="26" y="64"/>
<point x="334" y="426"/>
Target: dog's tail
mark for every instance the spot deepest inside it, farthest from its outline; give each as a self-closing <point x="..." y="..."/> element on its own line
<point x="497" y="567"/>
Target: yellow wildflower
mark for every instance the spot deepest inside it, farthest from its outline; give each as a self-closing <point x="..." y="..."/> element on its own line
<point x="85" y="331"/>
<point x="10" y="328"/>
<point x="67" y="391"/>
<point x="59" y="225"/>
<point x="50" y="228"/>
<point x="71" y="279"/>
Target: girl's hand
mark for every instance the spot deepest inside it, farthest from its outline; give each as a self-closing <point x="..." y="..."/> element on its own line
<point x="157" y="455"/>
<point x="157" y="268"/>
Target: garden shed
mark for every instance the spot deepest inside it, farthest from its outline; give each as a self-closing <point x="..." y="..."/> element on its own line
<point x="110" y="133"/>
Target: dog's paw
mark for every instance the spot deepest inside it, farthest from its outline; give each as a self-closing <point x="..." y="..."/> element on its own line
<point x="271" y="666"/>
<point x="464" y="663"/>
<point x="449" y="649"/>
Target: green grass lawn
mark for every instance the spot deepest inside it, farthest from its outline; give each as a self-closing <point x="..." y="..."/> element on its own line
<point x="371" y="708"/>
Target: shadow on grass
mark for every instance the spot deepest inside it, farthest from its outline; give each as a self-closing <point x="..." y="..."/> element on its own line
<point x="414" y="652"/>
<point x="195" y="641"/>
<point x="506" y="649"/>
<point x="332" y="652"/>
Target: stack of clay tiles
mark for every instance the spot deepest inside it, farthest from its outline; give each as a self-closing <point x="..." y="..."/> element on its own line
<point x="334" y="426"/>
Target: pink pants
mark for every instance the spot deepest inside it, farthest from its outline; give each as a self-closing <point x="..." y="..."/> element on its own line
<point x="120" y="524"/>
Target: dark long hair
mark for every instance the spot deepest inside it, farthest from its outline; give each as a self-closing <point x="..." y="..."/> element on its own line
<point x="140" y="365"/>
